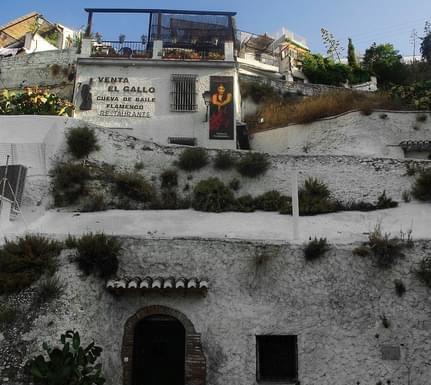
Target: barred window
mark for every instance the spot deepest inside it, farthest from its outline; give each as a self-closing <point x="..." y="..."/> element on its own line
<point x="183" y="93"/>
<point x="277" y="358"/>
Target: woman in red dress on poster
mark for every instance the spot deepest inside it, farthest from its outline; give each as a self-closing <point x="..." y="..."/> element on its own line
<point x="220" y="119"/>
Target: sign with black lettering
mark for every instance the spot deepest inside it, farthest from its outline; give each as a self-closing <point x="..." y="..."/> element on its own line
<point x="120" y="97"/>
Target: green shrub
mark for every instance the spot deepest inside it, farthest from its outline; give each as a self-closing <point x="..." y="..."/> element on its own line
<point x="355" y="206"/>
<point x="235" y="184"/>
<point x="224" y="161"/>
<point x="24" y="260"/>
<point x="385" y="249"/>
<point x="70" y="364"/>
<point x="258" y="91"/>
<point x="270" y="201"/>
<point x="422" y="118"/>
<point x="314" y="198"/>
<point x="358" y="76"/>
<point x="98" y="254"/>
<point x="104" y="172"/>
<point x="193" y="159"/>
<point x="171" y="201"/>
<point x="385" y="202"/>
<point x="325" y="71"/>
<point x="139" y="166"/>
<point x="252" y="165"/>
<point x="212" y="195"/>
<point x="316" y="248"/>
<point x="422" y="186"/>
<point x="134" y="186"/>
<point x="8" y="314"/>
<point x="362" y="251"/>
<point x="71" y="242"/>
<point x="81" y="141"/>
<point x="49" y="289"/>
<point x="169" y="179"/>
<point x="244" y="204"/>
<point x="424" y="271"/>
<point x="95" y="202"/>
<point x="68" y="182"/>
<point x="416" y="96"/>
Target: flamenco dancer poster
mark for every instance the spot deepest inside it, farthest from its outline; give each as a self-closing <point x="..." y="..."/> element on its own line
<point x="221" y="108"/>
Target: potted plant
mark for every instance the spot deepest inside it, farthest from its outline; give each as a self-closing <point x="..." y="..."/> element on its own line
<point x="195" y="55"/>
<point x="215" y="56"/>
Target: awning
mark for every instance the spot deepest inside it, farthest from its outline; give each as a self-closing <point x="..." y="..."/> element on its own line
<point x="416" y="145"/>
<point x="158" y="284"/>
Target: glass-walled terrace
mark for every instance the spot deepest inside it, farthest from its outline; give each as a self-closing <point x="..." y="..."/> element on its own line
<point x="172" y="35"/>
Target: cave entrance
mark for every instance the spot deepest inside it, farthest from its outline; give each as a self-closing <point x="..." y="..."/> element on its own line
<point x="159" y="351"/>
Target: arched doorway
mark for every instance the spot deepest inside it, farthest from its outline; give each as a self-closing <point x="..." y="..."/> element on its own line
<point x="171" y="326"/>
<point x="159" y="351"/>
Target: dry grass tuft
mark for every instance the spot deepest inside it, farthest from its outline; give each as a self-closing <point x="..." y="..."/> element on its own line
<point x="279" y="113"/>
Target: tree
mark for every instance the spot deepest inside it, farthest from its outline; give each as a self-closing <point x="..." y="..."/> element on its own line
<point x="384" y="61"/>
<point x="322" y="70"/>
<point x="351" y="56"/>
<point x="426" y="48"/>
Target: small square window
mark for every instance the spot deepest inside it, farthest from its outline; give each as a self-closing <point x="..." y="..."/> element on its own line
<point x="277" y="359"/>
<point x="183" y="93"/>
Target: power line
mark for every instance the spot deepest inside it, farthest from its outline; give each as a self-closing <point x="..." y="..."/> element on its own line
<point x="387" y="28"/>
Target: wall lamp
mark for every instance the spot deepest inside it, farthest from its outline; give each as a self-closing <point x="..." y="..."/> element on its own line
<point x="207" y="99"/>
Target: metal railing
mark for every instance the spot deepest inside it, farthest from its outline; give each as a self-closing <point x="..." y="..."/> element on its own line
<point x="139" y="50"/>
<point x="134" y="49"/>
<point x="195" y="53"/>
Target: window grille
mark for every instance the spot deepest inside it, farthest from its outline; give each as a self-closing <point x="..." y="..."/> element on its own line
<point x="277" y="358"/>
<point x="183" y="93"/>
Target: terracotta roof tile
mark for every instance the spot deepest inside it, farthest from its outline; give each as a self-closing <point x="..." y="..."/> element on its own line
<point x="158" y="283"/>
<point x="416" y="145"/>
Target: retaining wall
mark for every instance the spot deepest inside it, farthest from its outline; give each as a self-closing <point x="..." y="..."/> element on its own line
<point x="334" y="306"/>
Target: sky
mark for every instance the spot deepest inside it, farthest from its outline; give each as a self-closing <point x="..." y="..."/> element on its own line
<point x="365" y="21"/>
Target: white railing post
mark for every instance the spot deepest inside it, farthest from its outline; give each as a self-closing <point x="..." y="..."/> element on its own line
<point x="228" y="51"/>
<point x="157" y="49"/>
<point x="86" y="47"/>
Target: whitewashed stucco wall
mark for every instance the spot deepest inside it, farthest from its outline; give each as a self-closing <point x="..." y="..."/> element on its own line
<point x="348" y="177"/>
<point x="37" y="142"/>
<point x="352" y="133"/>
<point x="162" y="123"/>
<point x="334" y="305"/>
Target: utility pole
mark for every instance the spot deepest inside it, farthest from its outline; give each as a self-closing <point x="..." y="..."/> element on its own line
<point x="413" y="38"/>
